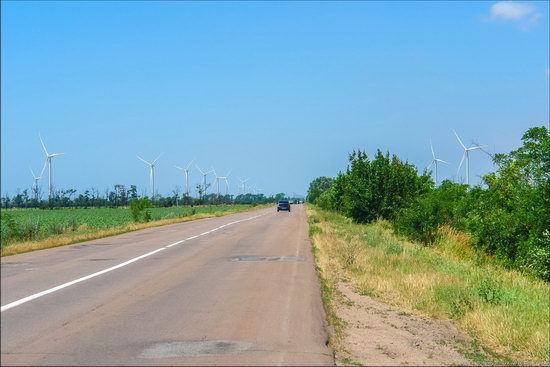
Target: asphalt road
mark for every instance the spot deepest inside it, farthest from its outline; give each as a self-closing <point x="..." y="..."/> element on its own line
<point x="233" y="290"/>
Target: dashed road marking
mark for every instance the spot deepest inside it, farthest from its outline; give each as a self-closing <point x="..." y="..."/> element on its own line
<point x="73" y="282"/>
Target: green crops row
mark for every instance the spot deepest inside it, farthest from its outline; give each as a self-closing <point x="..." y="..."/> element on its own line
<point x="19" y="225"/>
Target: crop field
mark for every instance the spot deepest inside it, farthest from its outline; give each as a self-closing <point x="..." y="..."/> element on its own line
<point x="20" y="225"/>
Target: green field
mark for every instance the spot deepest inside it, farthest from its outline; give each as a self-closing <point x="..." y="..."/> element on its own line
<point x="22" y="225"/>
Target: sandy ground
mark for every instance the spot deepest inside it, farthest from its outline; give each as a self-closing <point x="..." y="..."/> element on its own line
<point x="381" y="335"/>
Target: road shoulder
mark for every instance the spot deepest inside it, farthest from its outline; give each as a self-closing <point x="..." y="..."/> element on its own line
<point x="376" y="333"/>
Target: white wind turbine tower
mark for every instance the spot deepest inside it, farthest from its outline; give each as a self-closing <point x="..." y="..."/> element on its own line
<point x="435" y="161"/>
<point x="226" y="182"/>
<point x="49" y="163"/>
<point x="36" y="179"/>
<point x="217" y="180"/>
<point x="243" y="185"/>
<point x="186" y="171"/>
<point x="151" y="173"/>
<point x="204" y="177"/>
<point x="466" y="154"/>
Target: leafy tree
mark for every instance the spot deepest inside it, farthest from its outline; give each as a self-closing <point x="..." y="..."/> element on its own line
<point x="379" y="188"/>
<point x="511" y="218"/>
<point x="317" y="187"/>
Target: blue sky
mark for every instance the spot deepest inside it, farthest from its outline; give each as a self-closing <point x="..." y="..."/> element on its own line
<point x="278" y="92"/>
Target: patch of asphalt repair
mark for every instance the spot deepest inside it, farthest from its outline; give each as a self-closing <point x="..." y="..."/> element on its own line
<point x="194" y="348"/>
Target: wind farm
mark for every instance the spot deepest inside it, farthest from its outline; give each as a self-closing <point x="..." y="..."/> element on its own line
<point x="218" y="188"/>
<point x="275" y="183"/>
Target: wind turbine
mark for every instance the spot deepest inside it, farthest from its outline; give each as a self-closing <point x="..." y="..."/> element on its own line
<point x="36" y="179"/>
<point x="435" y="161"/>
<point x="466" y="154"/>
<point x="49" y="163"/>
<point x="243" y="185"/>
<point x="151" y="173"/>
<point x="186" y="170"/>
<point x="204" y="177"/>
<point x="217" y="179"/>
<point x="226" y="182"/>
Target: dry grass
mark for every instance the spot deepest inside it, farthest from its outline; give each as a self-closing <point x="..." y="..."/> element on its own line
<point x="505" y="311"/>
<point x="86" y="234"/>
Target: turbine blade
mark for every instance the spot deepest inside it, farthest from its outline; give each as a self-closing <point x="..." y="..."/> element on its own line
<point x="460" y="141"/>
<point x="228" y="173"/>
<point x="143" y="160"/>
<point x="158" y="158"/>
<point x="44" y="167"/>
<point x="431" y="146"/>
<point x="43" y="146"/>
<point x="431" y="164"/>
<point x="56" y="154"/>
<point x="200" y="170"/>
<point x="178" y="167"/>
<point x="460" y="165"/>
<point x="442" y="161"/>
<point x="32" y="173"/>
<point x="190" y="163"/>
<point x="477" y="147"/>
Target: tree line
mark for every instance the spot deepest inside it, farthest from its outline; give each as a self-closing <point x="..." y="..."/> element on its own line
<point x="507" y="217"/>
<point x="121" y="196"/>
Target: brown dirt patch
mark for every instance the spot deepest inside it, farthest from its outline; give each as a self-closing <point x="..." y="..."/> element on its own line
<point x="378" y="334"/>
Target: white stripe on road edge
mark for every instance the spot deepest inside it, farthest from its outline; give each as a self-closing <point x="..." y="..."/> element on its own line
<point x="68" y="284"/>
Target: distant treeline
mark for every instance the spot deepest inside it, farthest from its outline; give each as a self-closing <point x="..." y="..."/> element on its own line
<point x="508" y="217"/>
<point x="120" y="195"/>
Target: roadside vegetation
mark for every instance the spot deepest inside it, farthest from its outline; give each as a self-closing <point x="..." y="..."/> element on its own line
<point x="479" y="256"/>
<point x="504" y="311"/>
<point x="508" y="218"/>
<point x="24" y="230"/>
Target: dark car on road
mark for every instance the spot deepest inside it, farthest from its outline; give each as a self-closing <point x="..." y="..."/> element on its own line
<point x="283" y="205"/>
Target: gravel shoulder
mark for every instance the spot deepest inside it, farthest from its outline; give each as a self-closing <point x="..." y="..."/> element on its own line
<point x="378" y="334"/>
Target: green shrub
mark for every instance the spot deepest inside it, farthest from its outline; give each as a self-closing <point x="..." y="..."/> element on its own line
<point x="56" y="228"/>
<point x="455" y="300"/>
<point x="394" y="248"/>
<point x="10" y="229"/>
<point x="29" y="229"/>
<point x="489" y="290"/>
<point x="139" y="211"/>
<point x="422" y="219"/>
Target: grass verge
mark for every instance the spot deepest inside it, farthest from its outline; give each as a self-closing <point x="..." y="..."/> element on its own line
<point x="505" y="312"/>
<point x="85" y="233"/>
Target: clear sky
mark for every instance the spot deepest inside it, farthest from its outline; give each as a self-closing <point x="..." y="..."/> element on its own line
<point x="278" y="92"/>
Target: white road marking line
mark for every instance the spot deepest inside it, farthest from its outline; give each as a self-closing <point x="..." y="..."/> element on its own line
<point x="68" y="284"/>
<point x="51" y="290"/>
<point x="175" y="243"/>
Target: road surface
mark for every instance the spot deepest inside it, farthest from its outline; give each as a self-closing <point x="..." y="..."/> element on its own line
<point x="233" y="290"/>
